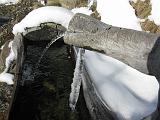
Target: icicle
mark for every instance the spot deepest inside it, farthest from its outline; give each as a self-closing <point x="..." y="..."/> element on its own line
<point x="75" y="86"/>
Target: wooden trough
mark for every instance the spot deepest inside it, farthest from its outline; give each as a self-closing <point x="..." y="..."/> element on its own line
<point x="137" y="49"/>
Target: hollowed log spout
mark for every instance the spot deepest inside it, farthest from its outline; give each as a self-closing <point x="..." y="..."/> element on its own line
<point x="138" y="49"/>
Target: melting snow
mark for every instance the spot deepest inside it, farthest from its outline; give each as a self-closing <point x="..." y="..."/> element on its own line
<point x="42" y="15"/>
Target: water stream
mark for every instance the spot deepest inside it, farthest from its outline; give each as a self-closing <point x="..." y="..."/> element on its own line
<point x="44" y="51"/>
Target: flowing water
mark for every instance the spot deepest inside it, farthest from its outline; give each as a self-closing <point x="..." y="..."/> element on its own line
<point x="46" y="97"/>
<point x="44" y="51"/>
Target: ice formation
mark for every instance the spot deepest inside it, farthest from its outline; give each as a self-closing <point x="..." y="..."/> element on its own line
<point x="75" y="86"/>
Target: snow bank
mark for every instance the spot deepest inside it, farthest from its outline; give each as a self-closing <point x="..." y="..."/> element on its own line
<point x="129" y="93"/>
<point x="54" y="14"/>
<point x="155" y="16"/>
<point x="118" y="13"/>
<point x="8" y="2"/>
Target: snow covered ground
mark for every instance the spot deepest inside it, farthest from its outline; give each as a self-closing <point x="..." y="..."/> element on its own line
<point x="8" y="2"/>
<point x="118" y="13"/>
<point x="155" y="16"/>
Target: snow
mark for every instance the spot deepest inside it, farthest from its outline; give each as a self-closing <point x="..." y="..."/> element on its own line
<point x="11" y="57"/>
<point x="84" y="10"/>
<point x="54" y="14"/>
<point x="118" y="13"/>
<point x="129" y="93"/>
<point x="136" y="0"/>
<point x="75" y="86"/>
<point x="2" y="47"/>
<point x="90" y="2"/>
<point x="8" y="2"/>
<point x="155" y="16"/>
<point x="42" y="2"/>
<point x="4" y="76"/>
<point x="7" y="77"/>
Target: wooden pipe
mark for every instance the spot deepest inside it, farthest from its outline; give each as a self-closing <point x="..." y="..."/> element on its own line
<point x="138" y="49"/>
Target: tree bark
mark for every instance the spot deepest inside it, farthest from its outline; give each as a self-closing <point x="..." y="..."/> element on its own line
<point x="135" y="48"/>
